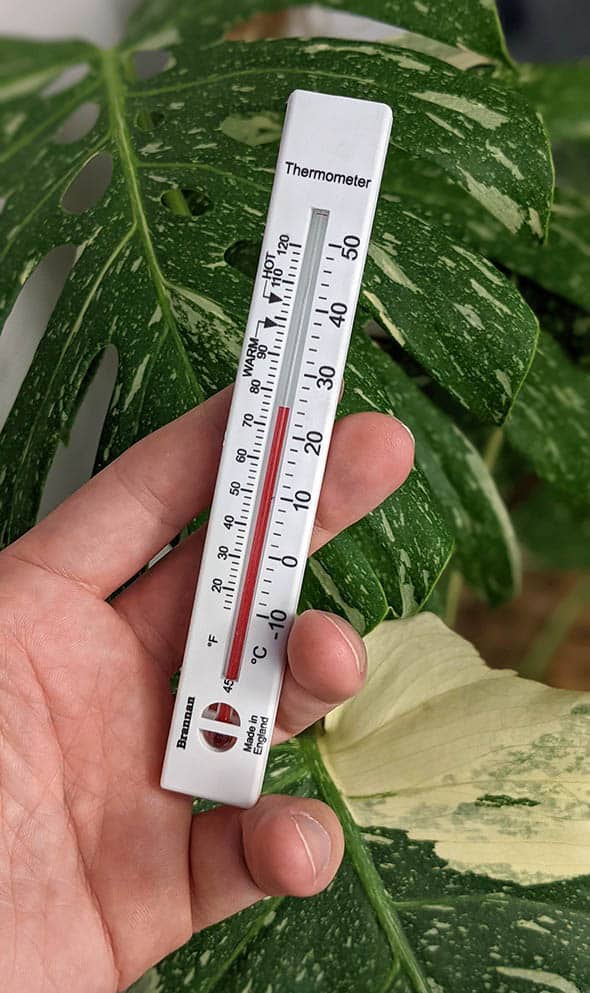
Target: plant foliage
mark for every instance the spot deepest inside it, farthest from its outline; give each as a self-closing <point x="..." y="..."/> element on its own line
<point x="467" y="863"/>
<point x="465" y="869"/>
<point x="160" y="272"/>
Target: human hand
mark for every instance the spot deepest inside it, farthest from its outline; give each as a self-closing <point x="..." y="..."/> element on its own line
<point x="102" y="872"/>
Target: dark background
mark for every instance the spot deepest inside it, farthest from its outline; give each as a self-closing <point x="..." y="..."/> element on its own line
<point x="547" y="30"/>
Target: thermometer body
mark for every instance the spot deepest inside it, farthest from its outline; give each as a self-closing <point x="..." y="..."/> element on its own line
<point x="317" y="233"/>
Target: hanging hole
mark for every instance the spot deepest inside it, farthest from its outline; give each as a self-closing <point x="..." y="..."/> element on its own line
<point x="66" y="80"/>
<point x="78" y="124"/>
<point x="148" y="120"/>
<point x="186" y="202"/>
<point x="28" y="319"/>
<point x="243" y="256"/>
<point x="225" y="714"/>
<point x="90" y="185"/>
<point x="74" y="459"/>
<point x="146" y="65"/>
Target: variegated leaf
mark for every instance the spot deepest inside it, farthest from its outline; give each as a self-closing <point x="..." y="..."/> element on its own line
<point x="561" y="265"/>
<point x="466" y="24"/>
<point x="486" y="548"/>
<point x="156" y="272"/>
<point x="464" y="795"/>
<point x="550" y="422"/>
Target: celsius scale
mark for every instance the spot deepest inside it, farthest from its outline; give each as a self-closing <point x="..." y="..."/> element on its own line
<point x="321" y="211"/>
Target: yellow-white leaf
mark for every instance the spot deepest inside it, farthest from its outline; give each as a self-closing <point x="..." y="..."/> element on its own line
<point x="492" y="768"/>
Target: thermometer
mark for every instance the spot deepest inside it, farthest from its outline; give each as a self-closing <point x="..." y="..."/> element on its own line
<point x="321" y="211"/>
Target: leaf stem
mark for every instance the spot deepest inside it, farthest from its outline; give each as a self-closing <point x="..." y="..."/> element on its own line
<point x="115" y="96"/>
<point x="454" y="591"/>
<point x="492" y="449"/>
<point x="402" y="954"/>
<point x="176" y="202"/>
<point x="557" y="625"/>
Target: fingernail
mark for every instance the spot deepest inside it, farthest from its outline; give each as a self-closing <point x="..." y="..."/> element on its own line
<point x="315" y="840"/>
<point x="406" y="429"/>
<point x="360" y="657"/>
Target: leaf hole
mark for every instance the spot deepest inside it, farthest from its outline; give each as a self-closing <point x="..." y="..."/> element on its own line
<point x="243" y="256"/>
<point x="28" y="319"/>
<point x="66" y="80"/>
<point x="90" y="185"/>
<point x="149" y="120"/>
<point x="186" y="202"/>
<point x="75" y="456"/>
<point x="78" y="124"/>
<point x="148" y="64"/>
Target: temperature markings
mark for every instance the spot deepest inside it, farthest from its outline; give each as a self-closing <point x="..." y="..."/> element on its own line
<point x="274" y="459"/>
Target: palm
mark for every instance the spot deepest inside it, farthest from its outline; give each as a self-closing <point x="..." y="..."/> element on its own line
<point x="106" y="847"/>
<point x="102" y="872"/>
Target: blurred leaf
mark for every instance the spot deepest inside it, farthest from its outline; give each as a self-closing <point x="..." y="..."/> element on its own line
<point x="550" y="422"/>
<point x="554" y="533"/>
<point x="561" y="91"/>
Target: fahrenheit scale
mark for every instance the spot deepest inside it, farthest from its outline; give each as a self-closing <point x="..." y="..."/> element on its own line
<point x="315" y="244"/>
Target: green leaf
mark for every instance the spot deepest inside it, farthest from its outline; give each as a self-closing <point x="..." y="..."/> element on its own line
<point x="472" y="24"/>
<point x="567" y="323"/>
<point x="486" y="548"/>
<point x="450" y="308"/>
<point x="467" y="850"/>
<point x="390" y="561"/>
<point x="561" y="91"/>
<point x="193" y="153"/>
<point x="468" y="125"/>
<point x="554" y="533"/>
<point x="561" y="265"/>
<point x="550" y="422"/>
<point x="562" y="94"/>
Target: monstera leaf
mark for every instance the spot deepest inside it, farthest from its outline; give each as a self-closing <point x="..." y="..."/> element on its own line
<point x="550" y="420"/>
<point x="464" y="795"/>
<point x="160" y="259"/>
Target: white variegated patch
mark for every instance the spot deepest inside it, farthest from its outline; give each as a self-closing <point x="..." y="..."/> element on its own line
<point x="494" y="769"/>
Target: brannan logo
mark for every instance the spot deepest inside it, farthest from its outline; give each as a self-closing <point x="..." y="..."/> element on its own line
<point x="188" y="714"/>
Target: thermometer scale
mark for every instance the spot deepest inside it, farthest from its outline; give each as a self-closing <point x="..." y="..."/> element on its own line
<point x="276" y="443"/>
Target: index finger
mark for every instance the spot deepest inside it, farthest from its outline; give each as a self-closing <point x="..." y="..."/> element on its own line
<point x="107" y="531"/>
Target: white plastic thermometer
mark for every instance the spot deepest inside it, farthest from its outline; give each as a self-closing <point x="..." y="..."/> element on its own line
<point x="317" y="233"/>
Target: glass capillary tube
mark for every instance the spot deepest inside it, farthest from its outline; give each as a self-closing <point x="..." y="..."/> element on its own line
<point x="285" y="395"/>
